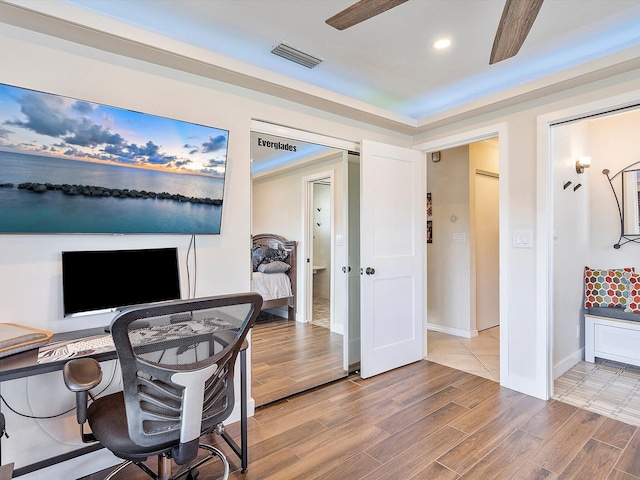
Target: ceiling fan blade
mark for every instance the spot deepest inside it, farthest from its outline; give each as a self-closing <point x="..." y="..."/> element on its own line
<point x="516" y="21"/>
<point x="361" y="11"/>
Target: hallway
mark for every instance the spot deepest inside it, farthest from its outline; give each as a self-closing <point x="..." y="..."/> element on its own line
<point x="479" y="355"/>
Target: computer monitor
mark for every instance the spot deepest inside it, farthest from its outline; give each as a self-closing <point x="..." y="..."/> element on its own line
<point x="108" y="280"/>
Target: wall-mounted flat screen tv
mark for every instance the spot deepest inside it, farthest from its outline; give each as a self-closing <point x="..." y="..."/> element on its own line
<point x="107" y="280"/>
<point x="71" y="166"/>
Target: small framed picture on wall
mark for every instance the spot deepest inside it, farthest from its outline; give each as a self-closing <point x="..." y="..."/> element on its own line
<point x="429" y="208"/>
<point x="429" y="231"/>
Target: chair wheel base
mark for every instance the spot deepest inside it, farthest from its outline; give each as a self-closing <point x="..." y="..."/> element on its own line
<point x="193" y="474"/>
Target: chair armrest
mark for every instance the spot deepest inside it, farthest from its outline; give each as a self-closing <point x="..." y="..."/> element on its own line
<point x="82" y="374"/>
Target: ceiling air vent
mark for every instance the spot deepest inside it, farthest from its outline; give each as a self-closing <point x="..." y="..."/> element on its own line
<point x="296" y="56"/>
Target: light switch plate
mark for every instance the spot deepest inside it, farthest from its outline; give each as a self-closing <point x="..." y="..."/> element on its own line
<point x="522" y="239"/>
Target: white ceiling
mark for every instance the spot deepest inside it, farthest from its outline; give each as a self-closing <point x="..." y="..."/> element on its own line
<point x="383" y="70"/>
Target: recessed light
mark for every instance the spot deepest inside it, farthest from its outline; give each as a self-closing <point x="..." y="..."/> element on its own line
<point x="442" y="43"/>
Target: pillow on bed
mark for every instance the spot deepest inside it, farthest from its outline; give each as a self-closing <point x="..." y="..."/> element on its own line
<point x="262" y="254"/>
<point x="606" y="288"/>
<point x="274" y="267"/>
<point x="257" y="256"/>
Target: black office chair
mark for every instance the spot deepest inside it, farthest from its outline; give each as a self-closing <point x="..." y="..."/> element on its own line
<point x="177" y="361"/>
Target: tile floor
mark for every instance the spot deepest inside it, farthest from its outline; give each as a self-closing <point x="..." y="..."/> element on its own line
<point x="479" y="355"/>
<point x="321" y="312"/>
<point x="606" y="387"/>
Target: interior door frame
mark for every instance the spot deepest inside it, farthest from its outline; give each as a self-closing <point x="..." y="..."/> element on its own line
<point x="306" y="252"/>
<point x="260" y="126"/>
<point x="476" y="135"/>
<point x="544" y="223"/>
<point x="352" y="283"/>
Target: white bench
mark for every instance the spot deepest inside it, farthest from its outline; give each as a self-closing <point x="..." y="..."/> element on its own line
<point x="612" y="337"/>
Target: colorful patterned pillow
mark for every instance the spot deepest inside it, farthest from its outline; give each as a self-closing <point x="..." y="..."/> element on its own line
<point x="606" y="288"/>
<point x="633" y="302"/>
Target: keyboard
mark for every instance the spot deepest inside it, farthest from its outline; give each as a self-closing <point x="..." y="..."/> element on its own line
<point x="91" y="344"/>
<point x="78" y="348"/>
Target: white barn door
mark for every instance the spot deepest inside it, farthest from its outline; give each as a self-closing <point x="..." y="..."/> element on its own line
<point x="392" y="257"/>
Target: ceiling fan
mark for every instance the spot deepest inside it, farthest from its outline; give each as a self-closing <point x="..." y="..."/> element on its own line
<point x="516" y="21"/>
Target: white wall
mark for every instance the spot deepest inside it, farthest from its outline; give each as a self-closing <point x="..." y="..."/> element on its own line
<point x="571" y="242"/>
<point x="614" y="144"/>
<point x="484" y="156"/>
<point x="448" y="262"/>
<point x="30" y="284"/>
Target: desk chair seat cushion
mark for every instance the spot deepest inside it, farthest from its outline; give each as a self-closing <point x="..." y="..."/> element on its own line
<point x="108" y="421"/>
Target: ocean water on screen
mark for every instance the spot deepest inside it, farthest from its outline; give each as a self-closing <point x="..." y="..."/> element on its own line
<point x="23" y="211"/>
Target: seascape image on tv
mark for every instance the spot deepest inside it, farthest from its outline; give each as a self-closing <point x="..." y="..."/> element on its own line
<point x="71" y="166"/>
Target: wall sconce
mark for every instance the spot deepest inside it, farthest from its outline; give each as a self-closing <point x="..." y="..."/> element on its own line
<point x="582" y="163"/>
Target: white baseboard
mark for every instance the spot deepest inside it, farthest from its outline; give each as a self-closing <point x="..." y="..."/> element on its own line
<point x="565" y="365"/>
<point x="452" y="331"/>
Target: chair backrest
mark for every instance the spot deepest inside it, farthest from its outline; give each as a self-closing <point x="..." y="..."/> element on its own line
<point x="177" y="362"/>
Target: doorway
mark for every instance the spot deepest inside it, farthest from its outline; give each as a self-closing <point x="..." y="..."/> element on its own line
<point x="463" y="258"/>
<point x="319" y="228"/>
<point x="584" y="234"/>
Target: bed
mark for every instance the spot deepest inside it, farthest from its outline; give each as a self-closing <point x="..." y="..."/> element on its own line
<point x="274" y="272"/>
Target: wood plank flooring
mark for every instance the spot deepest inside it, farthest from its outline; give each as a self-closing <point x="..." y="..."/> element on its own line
<point x="291" y="357"/>
<point x="428" y="421"/>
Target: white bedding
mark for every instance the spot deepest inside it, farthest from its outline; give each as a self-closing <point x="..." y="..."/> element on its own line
<point x="271" y="285"/>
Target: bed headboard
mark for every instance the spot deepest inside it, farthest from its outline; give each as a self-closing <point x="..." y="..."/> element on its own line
<point x="281" y="243"/>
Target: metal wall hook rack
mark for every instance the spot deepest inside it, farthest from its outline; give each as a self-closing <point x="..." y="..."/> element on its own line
<point x="625" y="237"/>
